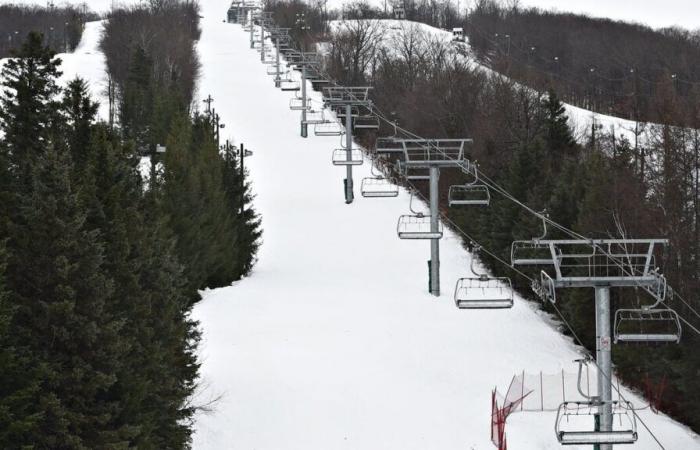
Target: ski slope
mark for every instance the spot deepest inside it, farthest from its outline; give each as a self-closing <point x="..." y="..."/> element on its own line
<point x="333" y="341"/>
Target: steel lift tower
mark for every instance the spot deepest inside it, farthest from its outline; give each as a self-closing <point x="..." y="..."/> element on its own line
<point x="346" y="101"/>
<point x="429" y="155"/>
<point x="600" y="264"/>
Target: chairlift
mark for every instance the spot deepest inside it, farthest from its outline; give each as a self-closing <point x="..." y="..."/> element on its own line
<point x="289" y="85"/>
<point x="314" y="117"/>
<point x="575" y="424"/>
<point x="273" y="71"/>
<point x="378" y="187"/>
<point x="329" y="128"/>
<point x="481" y="291"/>
<point x="532" y="252"/>
<point x="297" y="104"/>
<point x="465" y="194"/>
<point x="368" y="122"/>
<point x="647" y="324"/>
<point x="470" y="194"/>
<point x="343" y="157"/>
<point x="417" y="225"/>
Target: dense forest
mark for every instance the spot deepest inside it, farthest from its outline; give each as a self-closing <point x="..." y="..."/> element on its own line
<point x="100" y="264"/>
<point x="607" y="66"/>
<point x="599" y="186"/>
<point x="62" y="26"/>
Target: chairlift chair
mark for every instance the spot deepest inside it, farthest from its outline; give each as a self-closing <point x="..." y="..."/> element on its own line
<point x="378" y="187"/>
<point x="417" y="225"/>
<point x="341" y="157"/>
<point x="296" y="104"/>
<point x="647" y="325"/>
<point x="273" y="71"/>
<point x="466" y="194"/>
<point x="532" y="252"/>
<point x="329" y="128"/>
<point x="575" y="424"/>
<point x="368" y="122"/>
<point x="314" y="117"/>
<point x="481" y="291"/>
<point x="289" y="85"/>
<point x="469" y="194"/>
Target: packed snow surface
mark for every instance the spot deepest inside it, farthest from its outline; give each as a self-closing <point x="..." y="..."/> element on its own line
<point x="333" y="341"/>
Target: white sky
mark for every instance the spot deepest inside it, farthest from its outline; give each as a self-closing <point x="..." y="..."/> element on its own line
<point x="655" y="13"/>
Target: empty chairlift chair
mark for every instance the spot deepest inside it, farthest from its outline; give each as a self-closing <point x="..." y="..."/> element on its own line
<point x="468" y="195"/>
<point x="296" y="104"/>
<point x="417" y="225"/>
<point x="575" y="424"/>
<point x="314" y="117"/>
<point x="368" y="122"/>
<point x="482" y="291"/>
<point x="379" y="187"/>
<point x="329" y="128"/>
<point x="341" y="157"/>
<point x="532" y="252"/>
<point x="290" y="85"/>
<point x="648" y="323"/>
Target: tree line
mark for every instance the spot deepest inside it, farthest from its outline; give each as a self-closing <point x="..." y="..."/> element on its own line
<point x="598" y="184"/>
<point x="608" y="66"/>
<point x="100" y="264"/>
<point x="61" y="26"/>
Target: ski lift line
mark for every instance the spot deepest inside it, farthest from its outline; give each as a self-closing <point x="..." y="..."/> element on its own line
<point x="508" y="196"/>
<point x="558" y="311"/>
<point x="490" y="183"/>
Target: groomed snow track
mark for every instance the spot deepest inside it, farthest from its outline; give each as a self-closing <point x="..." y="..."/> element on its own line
<point x="333" y="341"/>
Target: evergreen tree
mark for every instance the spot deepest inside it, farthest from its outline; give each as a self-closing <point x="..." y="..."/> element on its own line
<point x="558" y="136"/>
<point x="195" y="203"/>
<point x="29" y="107"/>
<point x="135" y="108"/>
<point x="80" y="112"/>
<point x="59" y="291"/>
<point x="238" y="192"/>
<point x="19" y="380"/>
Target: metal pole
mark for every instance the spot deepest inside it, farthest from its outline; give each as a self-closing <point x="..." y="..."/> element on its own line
<point x="252" y="30"/>
<point x="277" y="63"/>
<point x="434" y="226"/>
<point x="604" y="359"/>
<point x="242" y="179"/>
<point x="349" y="196"/>
<point x="262" y="41"/>
<point x="304" y="125"/>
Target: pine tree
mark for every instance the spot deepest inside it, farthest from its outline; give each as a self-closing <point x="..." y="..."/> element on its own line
<point x="59" y="290"/>
<point x="80" y="112"/>
<point x="238" y="192"/>
<point x="152" y="384"/>
<point x="29" y="108"/>
<point x="194" y="201"/>
<point x="558" y="136"/>
<point x="19" y="380"/>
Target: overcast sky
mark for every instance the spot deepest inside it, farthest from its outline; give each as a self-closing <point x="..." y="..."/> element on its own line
<point x="655" y="13"/>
